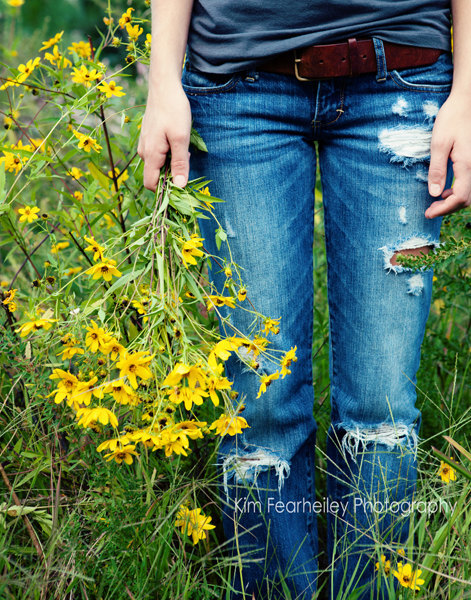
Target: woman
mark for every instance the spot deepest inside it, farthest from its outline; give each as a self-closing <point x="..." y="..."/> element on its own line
<point x="373" y="85"/>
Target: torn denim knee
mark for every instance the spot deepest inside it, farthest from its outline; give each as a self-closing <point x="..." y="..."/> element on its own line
<point x="389" y="434"/>
<point x="246" y="467"/>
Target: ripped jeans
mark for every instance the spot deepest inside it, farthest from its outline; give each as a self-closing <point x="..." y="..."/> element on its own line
<point x="373" y="134"/>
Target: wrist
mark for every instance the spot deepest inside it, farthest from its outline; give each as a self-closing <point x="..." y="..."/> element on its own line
<point x="460" y="93"/>
<point x="165" y="79"/>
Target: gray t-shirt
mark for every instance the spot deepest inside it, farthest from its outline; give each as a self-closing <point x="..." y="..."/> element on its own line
<point x="227" y="36"/>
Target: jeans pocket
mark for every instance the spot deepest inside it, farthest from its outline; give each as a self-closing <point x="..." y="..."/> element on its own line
<point x="198" y="83"/>
<point x="436" y="77"/>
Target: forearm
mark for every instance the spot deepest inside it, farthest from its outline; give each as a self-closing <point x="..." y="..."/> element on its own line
<point x="170" y="23"/>
<point x="461" y="10"/>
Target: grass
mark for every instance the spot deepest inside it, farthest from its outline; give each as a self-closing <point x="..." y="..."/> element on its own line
<point x="107" y="531"/>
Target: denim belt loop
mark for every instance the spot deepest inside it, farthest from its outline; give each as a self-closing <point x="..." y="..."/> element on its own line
<point x="382" y="71"/>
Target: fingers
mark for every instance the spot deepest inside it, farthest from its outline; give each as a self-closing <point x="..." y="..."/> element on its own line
<point x="153" y="148"/>
<point x="180" y="164"/>
<point x="439" y="154"/>
<point x="455" y="198"/>
<point x="154" y="160"/>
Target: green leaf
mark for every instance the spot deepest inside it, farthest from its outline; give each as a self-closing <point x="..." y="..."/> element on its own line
<point x="458" y="447"/>
<point x="126" y="278"/>
<point x="17" y="446"/>
<point x="221" y="236"/>
<point x="193" y="287"/>
<point x="197" y="141"/>
<point x="102" y="179"/>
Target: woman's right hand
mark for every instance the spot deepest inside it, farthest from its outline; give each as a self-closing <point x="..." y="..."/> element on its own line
<point x="166" y="126"/>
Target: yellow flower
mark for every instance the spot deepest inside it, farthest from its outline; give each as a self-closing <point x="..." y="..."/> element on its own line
<point x="111" y="89"/>
<point x="447" y="472"/>
<point x="438" y="305"/>
<point x="192" y="429"/>
<point x="266" y="381"/>
<point x="187" y="395"/>
<point x="126" y="18"/>
<point x="16" y="3"/>
<point x="66" y="385"/>
<point x="28" y="213"/>
<point x="9" y="296"/>
<point x="72" y="271"/>
<point x="121" y="178"/>
<point x="385" y="565"/>
<point x="105" y="269"/>
<point x="190" y="249"/>
<point x="84" y="76"/>
<point x="70" y="351"/>
<point x="134" y="31"/>
<point x="121" y="454"/>
<point x="13" y="162"/>
<point x="173" y="442"/>
<point x="57" y="59"/>
<point x="135" y="365"/>
<point x="52" y="41"/>
<point x="27" y="69"/>
<point x="114" y="443"/>
<point x="228" y="272"/>
<point x="242" y="294"/>
<point x="193" y="373"/>
<point x="148" y="41"/>
<point x="78" y="195"/>
<point x="94" y="247"/>
<point x="97" y="338"/>
<point x="271" y="325"/>
<point x="56" y="248"/>
<point x="286" y="361"/>
<point x="205" y="191"/>
<point x="35" y="325"/>
<point x="109" y="220"/>
<point x="223" y="349"/>
<point x="114" y="348"/>
<point x="75" y="173"/>
<point x="39" y="144"/>
<point x="82" y="49"/>
<point x="255" y="346"/>
<point x="84" y="391"/>
<point x="86" y="142"/>
<point x="108" y="21"/>
<point x="194" y="523"/>
<point x="12" y="306"/>
<point x="214" y="300"/>
<point x="407" y="577"/>
<point x="24" y="72"/>
<point x="229" y="425"/>
<point x="121" y="392"/>
<point x="88" y="416"/>
<point x="217" y="382"/>
<point x="9" y="120"/>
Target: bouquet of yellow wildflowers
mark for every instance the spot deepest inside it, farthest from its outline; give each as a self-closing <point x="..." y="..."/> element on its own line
<point x="104" y="286"/>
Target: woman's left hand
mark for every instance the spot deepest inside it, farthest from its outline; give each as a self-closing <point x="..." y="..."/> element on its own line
<point x="451" y="138"/>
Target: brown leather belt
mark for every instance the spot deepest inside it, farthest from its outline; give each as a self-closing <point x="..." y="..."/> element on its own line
<point x="346" y="59"/>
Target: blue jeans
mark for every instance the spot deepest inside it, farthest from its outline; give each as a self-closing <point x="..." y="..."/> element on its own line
<point x="373" y="135"/>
